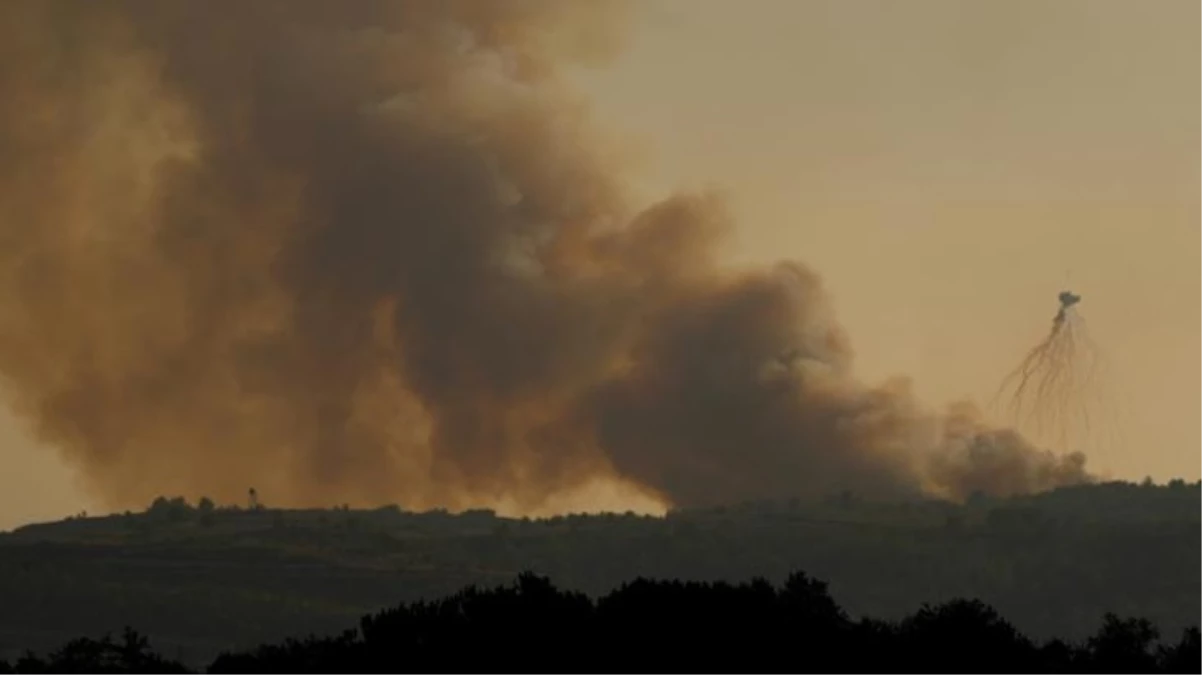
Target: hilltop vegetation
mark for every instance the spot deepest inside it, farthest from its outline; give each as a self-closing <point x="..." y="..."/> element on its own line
<point x="209" y="578"/>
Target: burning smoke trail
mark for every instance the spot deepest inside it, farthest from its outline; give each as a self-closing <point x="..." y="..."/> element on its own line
<point x="1055" y="392"/>
<point x="369" y="251"/>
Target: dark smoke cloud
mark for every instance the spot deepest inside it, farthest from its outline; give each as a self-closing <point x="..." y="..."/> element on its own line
<point x="372" y="251"/>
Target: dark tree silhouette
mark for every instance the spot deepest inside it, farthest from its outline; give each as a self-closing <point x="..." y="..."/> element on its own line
<point x="131" y="655"/>
<point x="1123" y="646"/>
<point x="953" y="637"/>
<point x="660" y="626"/>
<point x="1183" y="657"/>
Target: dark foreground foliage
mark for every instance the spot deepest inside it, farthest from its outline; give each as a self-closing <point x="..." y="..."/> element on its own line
<point x="661" y="626"/>
<point x="207" y="577"/>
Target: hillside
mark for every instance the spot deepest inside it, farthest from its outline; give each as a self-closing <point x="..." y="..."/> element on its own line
<point x="200" y="580"/>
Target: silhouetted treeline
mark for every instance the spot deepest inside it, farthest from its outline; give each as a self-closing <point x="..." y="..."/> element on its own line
<point x="207" y="576"/>
<point x="662" y="626"/>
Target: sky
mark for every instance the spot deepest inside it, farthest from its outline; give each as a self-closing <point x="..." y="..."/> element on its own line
<point x="947" y="167"/>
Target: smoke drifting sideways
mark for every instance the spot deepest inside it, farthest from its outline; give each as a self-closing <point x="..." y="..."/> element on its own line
<point x="375" y="252"/>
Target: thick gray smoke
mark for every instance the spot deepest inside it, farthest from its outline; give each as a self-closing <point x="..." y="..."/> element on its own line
<point x="370" y="251"/>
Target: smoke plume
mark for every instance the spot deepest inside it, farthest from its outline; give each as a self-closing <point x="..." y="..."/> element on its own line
<point x="374" y="251"/>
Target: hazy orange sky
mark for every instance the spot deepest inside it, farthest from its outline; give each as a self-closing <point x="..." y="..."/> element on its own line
<point x="948" y="167"/>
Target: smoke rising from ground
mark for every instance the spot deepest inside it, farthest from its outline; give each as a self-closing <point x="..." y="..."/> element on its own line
<point x="375" y="252"/>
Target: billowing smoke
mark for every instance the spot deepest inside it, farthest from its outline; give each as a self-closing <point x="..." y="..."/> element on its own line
<point x="372" y="251"/>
